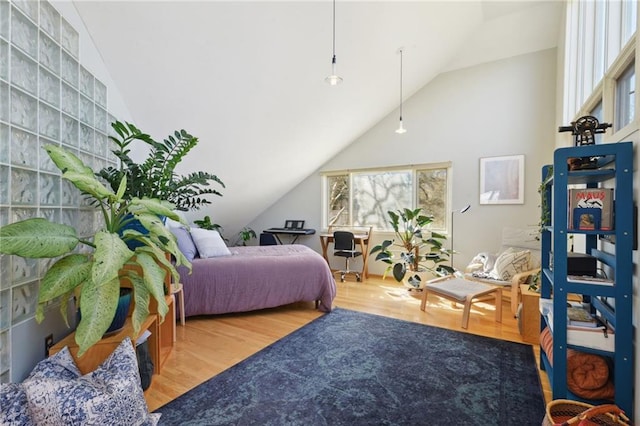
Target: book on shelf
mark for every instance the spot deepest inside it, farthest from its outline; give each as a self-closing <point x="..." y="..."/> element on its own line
<point x="580" y="317"/>
<point x="601" y="337"/>
<point x="585" y="279"/>
<point x="590" y="209"/>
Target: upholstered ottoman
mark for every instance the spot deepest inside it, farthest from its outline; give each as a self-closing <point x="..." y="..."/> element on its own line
<point x="463" y="291"/>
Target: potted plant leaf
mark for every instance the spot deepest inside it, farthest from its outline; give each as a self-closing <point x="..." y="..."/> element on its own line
<point x="420" y="249"/>
<point x="155" y="177"/>
<point x="245" y="235"/>
<point x="94" y="277"/>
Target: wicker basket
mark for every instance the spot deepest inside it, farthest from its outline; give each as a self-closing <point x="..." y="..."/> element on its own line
<point x="568" y="412"/>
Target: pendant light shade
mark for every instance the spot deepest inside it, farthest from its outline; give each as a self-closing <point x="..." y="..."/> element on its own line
<point x="400" y="130"/>
<point x="333" y="79"/>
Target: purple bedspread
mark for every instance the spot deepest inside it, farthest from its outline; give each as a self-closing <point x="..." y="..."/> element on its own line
<point x="257" y="277"/>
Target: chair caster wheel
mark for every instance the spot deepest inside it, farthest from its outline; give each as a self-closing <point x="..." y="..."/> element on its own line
<point x="358" y="278"/>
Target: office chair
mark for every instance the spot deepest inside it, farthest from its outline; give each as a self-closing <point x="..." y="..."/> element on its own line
<point x="344" y="245"/>
<point x="268" y="239"/>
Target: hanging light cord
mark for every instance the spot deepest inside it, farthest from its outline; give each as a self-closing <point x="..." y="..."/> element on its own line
<point x="334" y="32"/>
<point x="400" y="84"/>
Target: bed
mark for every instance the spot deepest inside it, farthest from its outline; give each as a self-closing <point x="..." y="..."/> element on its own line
<point x="257" y="277"/>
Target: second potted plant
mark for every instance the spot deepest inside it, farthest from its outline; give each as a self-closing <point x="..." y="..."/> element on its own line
<point x="420" y="251"/>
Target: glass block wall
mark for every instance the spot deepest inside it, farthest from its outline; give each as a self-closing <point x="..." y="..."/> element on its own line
<point x="46" y="97"/>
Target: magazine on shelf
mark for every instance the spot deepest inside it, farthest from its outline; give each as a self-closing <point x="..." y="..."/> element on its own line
<point x="585" y="279"/>
<point x="601" y="337"/>
<point x="591" y="209"/>
<point x="579" y="316"/>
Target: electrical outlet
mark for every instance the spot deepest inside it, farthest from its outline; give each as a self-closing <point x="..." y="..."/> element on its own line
<point x="48" y="342"/>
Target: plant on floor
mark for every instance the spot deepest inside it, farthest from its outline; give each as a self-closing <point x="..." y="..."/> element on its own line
<point x="92" y="268"/>
<point x="421" y="250"/>
<point x="156" y="177"/>
<point x="246" y="234"/>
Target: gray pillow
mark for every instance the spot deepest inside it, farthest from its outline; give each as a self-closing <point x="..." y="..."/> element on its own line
<point x="185" y="243"/>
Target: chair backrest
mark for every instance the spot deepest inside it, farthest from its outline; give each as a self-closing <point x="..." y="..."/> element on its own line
<point x="267" y="239"/>
<point x="343" y="240"/>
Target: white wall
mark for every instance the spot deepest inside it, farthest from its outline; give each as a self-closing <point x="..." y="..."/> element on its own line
<point x="505" y="107"/>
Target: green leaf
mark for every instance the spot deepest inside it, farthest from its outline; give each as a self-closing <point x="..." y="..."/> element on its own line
<point x="89" y="184"/>
<point x="110" y="256"/>
<point x="399" y="270"/>
<point x="98" y="304"/>
<point x="153" y="275"/>
<point x="122" y="187"/>
<point x="63" y="276"/>
<point x="64" y="307"/>
<point x="142" y="297"/>
<point x="37" y="238"/>
<point x="66" y="161"/>
<point x="152" y="206"/>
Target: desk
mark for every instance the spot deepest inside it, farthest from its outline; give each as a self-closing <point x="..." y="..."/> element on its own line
<point x="295" y="233"/>
<point x="361" y="238"/>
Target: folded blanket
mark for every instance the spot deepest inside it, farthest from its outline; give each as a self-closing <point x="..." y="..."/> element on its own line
<point x="588" y="375"/>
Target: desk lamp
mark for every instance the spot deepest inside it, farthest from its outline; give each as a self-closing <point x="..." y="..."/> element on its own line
<point x="462" y="210"/>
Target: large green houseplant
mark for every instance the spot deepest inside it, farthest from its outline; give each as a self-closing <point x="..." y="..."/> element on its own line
<point x="421" y="250"/>
<point x="95" y="277"/>
<point x="155" y="177"/>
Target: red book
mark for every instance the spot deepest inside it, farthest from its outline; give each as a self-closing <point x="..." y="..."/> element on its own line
<point x="591" y="209"/>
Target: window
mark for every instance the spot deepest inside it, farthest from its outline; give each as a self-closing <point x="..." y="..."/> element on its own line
<point x="362" y="198"/>
<point x="625" y="97"/>
<point x="596" y="34"/>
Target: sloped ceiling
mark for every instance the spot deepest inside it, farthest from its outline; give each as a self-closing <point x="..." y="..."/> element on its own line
<point x="247" y="78"/>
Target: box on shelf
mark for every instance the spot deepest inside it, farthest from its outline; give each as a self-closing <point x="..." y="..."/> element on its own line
<point x="590" y="209"/>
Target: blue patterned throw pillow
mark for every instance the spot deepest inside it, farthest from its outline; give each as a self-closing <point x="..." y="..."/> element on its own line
<point x="13" y="405"/>
<point x="111" y="394"/>
<point x="58" y="366"/>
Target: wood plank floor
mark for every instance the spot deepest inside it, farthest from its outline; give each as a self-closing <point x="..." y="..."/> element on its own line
<point x="206" y="346"/>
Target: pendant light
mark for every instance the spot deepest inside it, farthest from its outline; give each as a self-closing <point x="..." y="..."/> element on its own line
<point x="334" y="79"/>
<point x="400" y="130"/>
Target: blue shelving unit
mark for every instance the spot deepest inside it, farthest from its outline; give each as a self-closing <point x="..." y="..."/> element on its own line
<point x="613" y="303"/>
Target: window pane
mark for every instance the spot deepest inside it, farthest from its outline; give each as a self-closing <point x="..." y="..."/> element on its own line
<point x="375" y="193"/>
<point x="629" y="24"/>
<point x="600" y="37"/>
<point x="432" y="195"/>
<point x="625" y="94"/>
<point x="338" y="199"/>
<point x="597" y="113"/>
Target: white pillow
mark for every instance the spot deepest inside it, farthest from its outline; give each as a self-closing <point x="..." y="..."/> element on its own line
<point x="209" y="243"/>
<point x="509" y="263"/>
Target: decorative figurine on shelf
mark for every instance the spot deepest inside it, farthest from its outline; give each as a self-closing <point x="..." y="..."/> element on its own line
<point x="584" y="129"/>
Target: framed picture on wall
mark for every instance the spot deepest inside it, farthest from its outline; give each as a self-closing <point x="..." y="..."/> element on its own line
<point x="502" y="180"/>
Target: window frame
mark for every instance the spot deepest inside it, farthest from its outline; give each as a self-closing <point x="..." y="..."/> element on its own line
<point x="413" y="168"/>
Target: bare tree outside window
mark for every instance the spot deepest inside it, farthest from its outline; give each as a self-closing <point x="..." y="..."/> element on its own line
<point x="432" y="195"/>
<point x="375" y="193"/>
<point x="338" y="199"/>
<point x="363" y="198"/>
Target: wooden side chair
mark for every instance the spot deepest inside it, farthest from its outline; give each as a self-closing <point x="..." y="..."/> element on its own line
<point x="465" y="292"/>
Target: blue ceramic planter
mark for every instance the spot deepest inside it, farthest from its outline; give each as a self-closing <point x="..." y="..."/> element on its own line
<point x="122" y="311"/>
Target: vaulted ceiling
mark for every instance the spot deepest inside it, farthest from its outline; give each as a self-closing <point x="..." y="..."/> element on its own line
<point x="247" y="78"/>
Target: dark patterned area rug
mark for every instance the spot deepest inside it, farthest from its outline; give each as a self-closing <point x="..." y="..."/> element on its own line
<point x="352" y="368"/>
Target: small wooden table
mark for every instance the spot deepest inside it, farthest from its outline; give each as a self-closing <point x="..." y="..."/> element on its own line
<point x="361" y="237"/>
<point x="530" y="315"/>
<point x="160" y="341"/>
